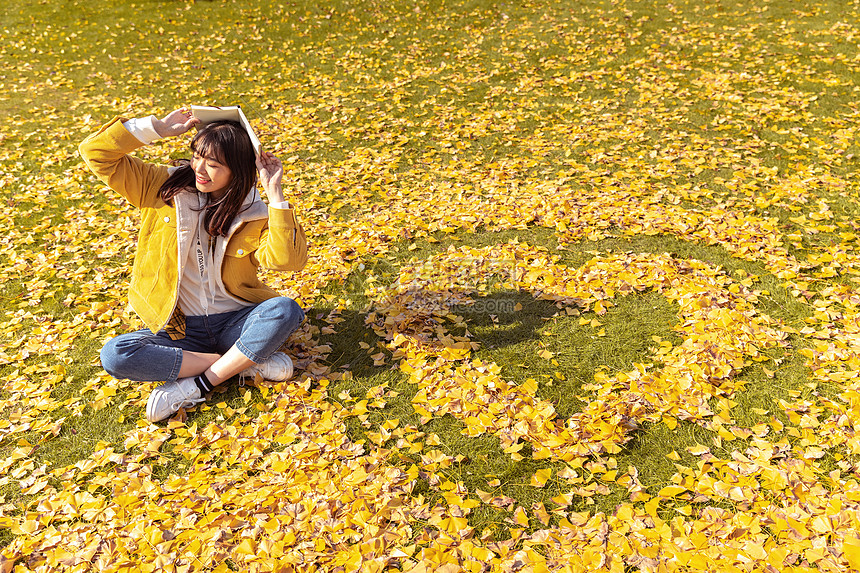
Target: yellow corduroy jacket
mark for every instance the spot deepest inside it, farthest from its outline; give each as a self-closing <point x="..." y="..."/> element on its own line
<point x="259" y="236"/>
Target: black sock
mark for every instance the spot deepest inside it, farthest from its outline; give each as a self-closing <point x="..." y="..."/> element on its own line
<point x="203" y="383"/>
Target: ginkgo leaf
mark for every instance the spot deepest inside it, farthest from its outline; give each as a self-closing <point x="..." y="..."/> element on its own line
<point x="540" y="477"/>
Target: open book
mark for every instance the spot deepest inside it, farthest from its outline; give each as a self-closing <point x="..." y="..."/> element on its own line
<point x="208" y="114"/>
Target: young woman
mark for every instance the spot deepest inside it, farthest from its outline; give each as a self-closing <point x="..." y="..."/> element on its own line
<point x="204" y="232"/>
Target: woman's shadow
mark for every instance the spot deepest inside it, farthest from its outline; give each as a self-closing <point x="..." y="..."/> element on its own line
<point x="494" y="321"/>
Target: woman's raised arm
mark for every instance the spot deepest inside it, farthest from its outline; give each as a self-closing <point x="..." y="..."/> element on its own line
<point x="175" y="123"/>
<point x="107" y="154"/>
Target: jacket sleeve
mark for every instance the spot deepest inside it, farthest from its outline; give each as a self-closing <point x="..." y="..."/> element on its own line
<point x="283" y="246"/>
<point x="106" y="154"/>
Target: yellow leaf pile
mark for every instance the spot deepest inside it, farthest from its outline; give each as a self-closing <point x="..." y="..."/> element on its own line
<point x="722" y="333"/>
<point x="286" y="482"/>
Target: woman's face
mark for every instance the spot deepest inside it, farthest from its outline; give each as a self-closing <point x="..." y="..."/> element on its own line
<point x="210" y="175"/>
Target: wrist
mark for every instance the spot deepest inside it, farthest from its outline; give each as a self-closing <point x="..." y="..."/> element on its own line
<point x="275" y="193"/>
<point x="160" y="127"/>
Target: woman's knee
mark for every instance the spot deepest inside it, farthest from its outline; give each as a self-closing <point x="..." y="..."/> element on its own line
<point x="112" y="357"/>
<point x="287" y="311"/>
<point x="119" y="356"/>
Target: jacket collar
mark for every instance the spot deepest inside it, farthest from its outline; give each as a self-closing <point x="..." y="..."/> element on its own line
<point x="187" y="211"/>
<point x="252" y="209"/>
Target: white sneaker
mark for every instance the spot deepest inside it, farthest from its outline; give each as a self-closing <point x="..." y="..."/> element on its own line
<point x="277" y="368"/>
<point x="167" y="399"/>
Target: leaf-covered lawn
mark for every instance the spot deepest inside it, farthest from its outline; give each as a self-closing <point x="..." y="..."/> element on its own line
<point x="582" y="292"/>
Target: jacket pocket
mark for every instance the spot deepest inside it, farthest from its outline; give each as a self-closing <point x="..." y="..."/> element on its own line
<point x="244" y="243"/>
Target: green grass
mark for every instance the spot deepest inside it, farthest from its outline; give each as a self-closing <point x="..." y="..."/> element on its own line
<point x="386" y="98"/>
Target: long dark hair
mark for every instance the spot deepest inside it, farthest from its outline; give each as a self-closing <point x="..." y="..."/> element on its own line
<point x="228" y="143"/>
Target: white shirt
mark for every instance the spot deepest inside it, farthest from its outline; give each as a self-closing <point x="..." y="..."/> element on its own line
<point x="200" y="293"/>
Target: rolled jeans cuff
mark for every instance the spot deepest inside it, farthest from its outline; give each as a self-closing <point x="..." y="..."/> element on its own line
<point x="177" y="364"/>
<point x="255" y="358"/>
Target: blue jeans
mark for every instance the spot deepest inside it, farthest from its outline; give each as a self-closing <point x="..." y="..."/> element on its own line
<point x="257" y="331"/>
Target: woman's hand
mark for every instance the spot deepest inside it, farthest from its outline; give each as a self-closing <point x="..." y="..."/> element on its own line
<point x="175" y="123"/>
<point x="271" y="173"/>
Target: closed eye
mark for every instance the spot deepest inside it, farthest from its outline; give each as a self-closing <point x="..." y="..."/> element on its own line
<point x="209" y="161"/>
